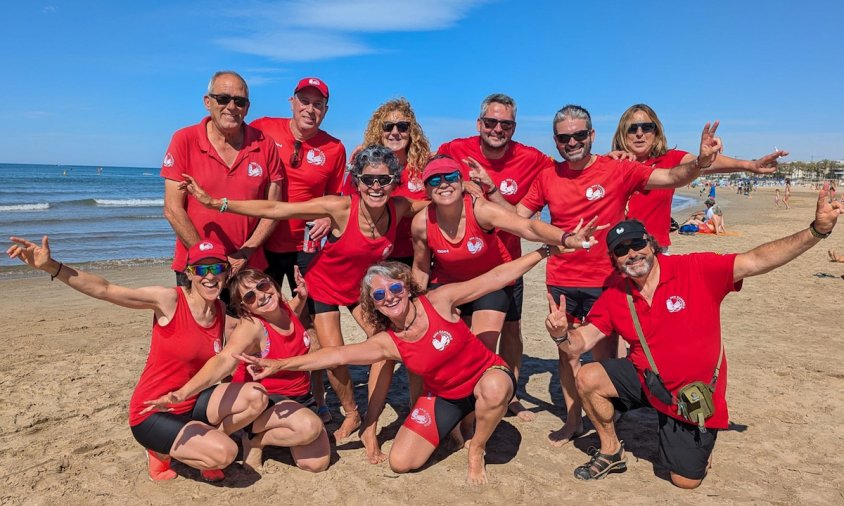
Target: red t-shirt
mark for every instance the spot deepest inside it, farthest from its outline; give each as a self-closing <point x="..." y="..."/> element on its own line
<point x="448" y="357"/>
<point x="682" y="326"/>
<point x="601" y="190"/>
<point x="294" y="344"/>
<point x="513" y="173"/>
<point x="653" y="207"/>
<point x="320" y="172"/>
<point x="335" y="273"/>
<point x="257" y="164"/>
<point x="177" y="351"/>
<point x="477" y="252"/>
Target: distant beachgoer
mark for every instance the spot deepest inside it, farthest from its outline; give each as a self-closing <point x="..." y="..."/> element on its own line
<point x="710" y="220"/>
<point x="424" y="330"/>
<point x="677" y="299"/>
<point x="777" y="198"/>
<point x="173" y="412"/>
<point x="641" y="133"/>
<point x="786" y="196"/>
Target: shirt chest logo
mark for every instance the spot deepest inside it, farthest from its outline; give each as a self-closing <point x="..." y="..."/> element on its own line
<point x="595" y="192"/>
<point x="254" y="169"/>
<point x="168" y="160"/>
<point x="218" y="346"/>
<point x="415" y="185"/>
<point x="387" y="251"/>
<point x="441" y="340"/>
<point x="315" y="156"/>
<point x="421" y="416"/>
<point x="475" y="245"/>
<point x="306" y="339"/>
<point x="508" y="187"/>
<point x="675" y="303"/>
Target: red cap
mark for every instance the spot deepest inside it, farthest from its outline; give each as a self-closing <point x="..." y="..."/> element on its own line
<point x="312" y="82"/>
<point x="442" y="165"/>
<point x="206" y="249"/>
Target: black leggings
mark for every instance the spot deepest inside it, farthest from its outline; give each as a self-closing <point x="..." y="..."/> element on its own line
<point x="160" y="430"/>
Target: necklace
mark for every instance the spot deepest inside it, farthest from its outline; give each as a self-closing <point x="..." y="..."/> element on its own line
<point x="412" y="320"/>
<point x="373" y="225"/>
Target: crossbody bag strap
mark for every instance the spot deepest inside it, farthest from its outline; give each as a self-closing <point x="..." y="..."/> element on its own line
<point x="641" y="335"/>
<point x="718" y="366"/>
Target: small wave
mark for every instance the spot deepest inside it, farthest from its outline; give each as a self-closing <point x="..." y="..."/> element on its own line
<point x="129" y="202"/>
<point x="25" y="207"/>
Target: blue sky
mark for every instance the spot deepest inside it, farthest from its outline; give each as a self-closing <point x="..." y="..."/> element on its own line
<point x="107" y="83"/>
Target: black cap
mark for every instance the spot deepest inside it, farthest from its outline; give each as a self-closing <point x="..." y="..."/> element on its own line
<point x="624" y="231"/>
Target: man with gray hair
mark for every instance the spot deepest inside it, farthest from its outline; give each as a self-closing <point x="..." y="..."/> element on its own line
<point x="580" y="188"/>
<point x="505" y="170"/>
<point x="225" y="156"/>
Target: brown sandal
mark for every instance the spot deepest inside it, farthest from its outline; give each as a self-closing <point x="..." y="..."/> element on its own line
<point x="602" y="464"/>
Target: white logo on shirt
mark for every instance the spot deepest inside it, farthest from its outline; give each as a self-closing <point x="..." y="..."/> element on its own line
<point x="315" y="156"/>
<point x="387" y="251"/>
<point x="442" y="251"/>
<point x="675" y="303"/>
<point x="279" y="145"/>
<point x="218" y="346"/>
<point x="415" y="185"/>
<point x="595" y="192"/>
<point x="168" y="160"/>
<point x="254" y="170"/>
<point x="508" y="187"/>
<point x="474" y="245"/>
<point x="205" y="246"/>
<point x="306" y="339"/>
<point x="440" y="340"/>
<point x="421" y="416"/>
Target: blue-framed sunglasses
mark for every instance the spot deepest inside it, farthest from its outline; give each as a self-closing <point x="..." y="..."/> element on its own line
<point x="203" y="270"/>
<point x="380" y="294"/>
<point x="451" y="177"/>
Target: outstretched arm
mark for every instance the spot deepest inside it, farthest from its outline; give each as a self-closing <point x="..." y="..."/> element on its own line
<point x="160" y="299"/>
<point x="685" y="173"/>
<point x="573" y="342"/>
<point x="262" y="231"/>
<point x="765" y="165"/>
<point x="769" y="256"/>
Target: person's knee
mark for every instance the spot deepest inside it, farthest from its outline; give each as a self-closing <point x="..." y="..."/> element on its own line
<point x="255" y="398"/>
<point x="685" y="483"/>
<point x="494" y="390"/>
<point x="220" y="452"/>
<point x="400" y="464"/>
<point x="314" y="465"/>
<point x="590" y="378"/>
<point x="311" y="427"/>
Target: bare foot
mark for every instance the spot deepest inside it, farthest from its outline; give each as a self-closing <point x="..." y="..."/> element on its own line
<point x="520" y="411"/>
<point x="477" y="467"/>
<point x="373" y="448"/>
<point x="350" y="424"/>
<point x="573" y="428"/>
<point x="252" y="454"/>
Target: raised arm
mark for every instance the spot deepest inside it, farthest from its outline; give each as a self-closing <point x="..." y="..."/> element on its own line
<point x="262" y="231"/>
<point x="685" y="173"/>
<point x="479" y="175"/>
<point x="421" y="269"/>
<point x="764" y="165"/>
<point x="572" y="342"/>
<point x="769" y="256"/>
<point x="174" y="212"/>
<point x="162" y="300"/>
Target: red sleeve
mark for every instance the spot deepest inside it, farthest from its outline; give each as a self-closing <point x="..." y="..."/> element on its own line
<point x="176" y="160"/>
<point x="636" y="175"/>
<point x="274" y="165"/>
<point x="535" y="198"/>
<point x="444" y="149"/>
<point x="717" y="273"/>
<point x="335" y="183"/>
<point x="600" y="315"/>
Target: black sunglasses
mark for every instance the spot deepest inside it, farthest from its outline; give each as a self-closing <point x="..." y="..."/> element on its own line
<point x="403" y="126"/>
<point x="451" y="177"/>
<point x="647" y="127"/>
<point x="262" y="286"/>
<point x="635" y="244"/>
<point x="224" y="99"/>
<point x="370" y="179"/>
<point x="380" y="294"/>
<point x="295" y="160"/>
<point x="579" y="136"/>
<point x="491" y="123"/>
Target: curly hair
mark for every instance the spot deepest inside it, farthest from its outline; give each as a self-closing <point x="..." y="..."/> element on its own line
<point x="619" y="140"/>
<point x="390" y="270"/>
<point x="418" y="147"/>
<point x="236" y="282"/>
<point x="373" y="155"/>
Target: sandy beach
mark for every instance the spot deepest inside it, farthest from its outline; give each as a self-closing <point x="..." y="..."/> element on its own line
<point x="72" y="363"/>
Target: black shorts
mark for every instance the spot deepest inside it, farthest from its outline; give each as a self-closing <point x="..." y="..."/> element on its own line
<point x="408" y="261"/>
<point x="683" y="448"/>
<point x="306" y="400"/>
<point x="578" y="300"/>
<point x="498" y="300"/>
<point x="160" y="430"/>
<point x="316" y="307"/>
<point x="280" y="265"/>
<point x="514" y="312"/>
<point x="182" y="280"/>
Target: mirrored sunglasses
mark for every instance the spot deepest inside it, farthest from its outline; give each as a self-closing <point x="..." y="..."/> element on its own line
<point x="380" y="294"/>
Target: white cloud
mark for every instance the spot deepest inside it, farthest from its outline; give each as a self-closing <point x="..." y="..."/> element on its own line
<point x="381" y="15"/>
<point x="48" y="9"/>
<point x="296" y="45"/>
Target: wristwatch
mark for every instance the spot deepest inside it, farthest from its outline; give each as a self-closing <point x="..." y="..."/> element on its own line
<point x="491" y="190"/>
<point x="816" y="234"/>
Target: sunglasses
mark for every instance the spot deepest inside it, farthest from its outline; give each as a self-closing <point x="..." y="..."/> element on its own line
<point x="262" y="286"/>
<point x="579" y="136"/>
<point x="370" y="179"/>
<point x="203" y="270"/>
<point x="403" y="126"/>
<point x="451" y="177"/>
<point x="380" y="294"/>
<point x="224" y="99"/>
<point x="491" y="123"/>
<point x="295" y="160"/>
<point x="647" y="127"/>
<point x="622" y="249"/>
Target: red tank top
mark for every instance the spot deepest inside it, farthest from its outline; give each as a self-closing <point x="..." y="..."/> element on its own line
<point x="476" y="253"/>
<point x="296" y="343"/>
<point x="335" y="273"/>
<point x="448" y="357"/>
<point x="177" y="351"/>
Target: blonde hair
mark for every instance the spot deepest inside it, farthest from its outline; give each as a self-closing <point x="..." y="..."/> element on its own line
<point x="619" y="140"/>
<point x="418" y="148"/>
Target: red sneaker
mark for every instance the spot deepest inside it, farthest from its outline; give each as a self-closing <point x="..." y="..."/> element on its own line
<point x="212" y="475"/>
<point x="159" y="468"/>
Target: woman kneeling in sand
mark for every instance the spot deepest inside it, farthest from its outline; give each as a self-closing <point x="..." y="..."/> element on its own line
<point x="191" y="419"/>
<point x="425" y="331"/>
